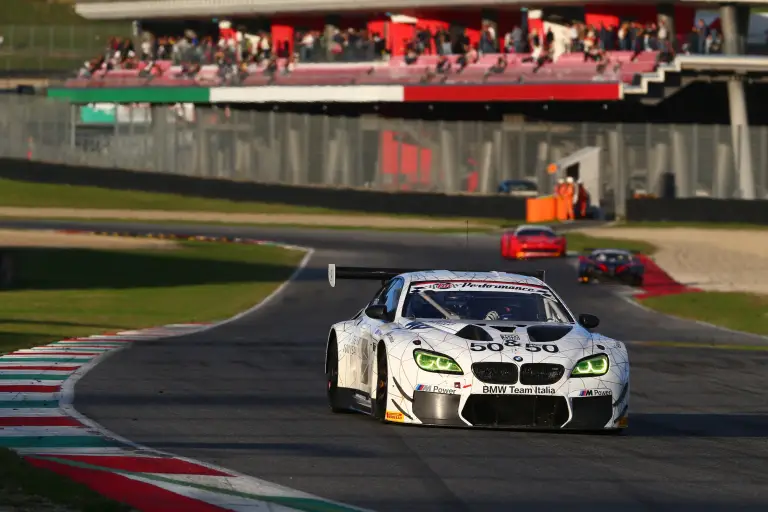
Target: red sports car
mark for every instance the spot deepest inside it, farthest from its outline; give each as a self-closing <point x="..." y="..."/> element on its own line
<point x="532" y="242"/>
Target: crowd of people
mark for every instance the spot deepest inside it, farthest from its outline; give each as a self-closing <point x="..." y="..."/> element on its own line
<point x="239" y="53"/>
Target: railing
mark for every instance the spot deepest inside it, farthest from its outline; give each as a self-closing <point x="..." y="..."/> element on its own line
<point x="374" y="152"/>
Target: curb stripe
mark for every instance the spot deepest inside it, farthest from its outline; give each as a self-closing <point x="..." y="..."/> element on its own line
<point x="53" y="353"/>
<point x="39" y="421"/>
<point x="38" y="442"/>
<point x="147" y="464"/>
<point x="25" y="388"/>
<point x="44" y="359"/>
<point x="143" y="496"/>
<point x="308" y="504"/>
<point x="40" y="368"/>
<point x="32" y="376"/>
<point x="30" y="404"/>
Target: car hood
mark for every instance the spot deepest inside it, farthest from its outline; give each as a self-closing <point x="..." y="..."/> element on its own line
<point x="471" y="342"/>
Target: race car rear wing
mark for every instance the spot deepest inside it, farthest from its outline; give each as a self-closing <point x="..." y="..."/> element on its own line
<point x="385" y="274"/>
<point x="589" y="250"/>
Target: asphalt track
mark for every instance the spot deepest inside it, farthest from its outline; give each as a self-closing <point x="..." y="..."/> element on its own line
<point x="250" y="396"/>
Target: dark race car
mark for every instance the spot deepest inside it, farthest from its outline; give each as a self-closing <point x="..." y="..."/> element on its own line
<point x="614" y="265"/>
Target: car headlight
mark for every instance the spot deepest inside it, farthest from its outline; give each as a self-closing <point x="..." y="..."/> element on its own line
<point x="437" y="363"/>
<point x="592" y="366"/>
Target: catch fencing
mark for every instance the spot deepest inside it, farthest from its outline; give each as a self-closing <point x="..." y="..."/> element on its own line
<point x="55" y="47"/>
<point x="376" y="152"/>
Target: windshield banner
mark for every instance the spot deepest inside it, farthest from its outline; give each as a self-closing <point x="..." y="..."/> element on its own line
<point x="478" y="286"/>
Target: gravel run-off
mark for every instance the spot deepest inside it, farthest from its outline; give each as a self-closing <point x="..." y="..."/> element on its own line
<point x="22" y="238"/>
<point x="709" y="259"/>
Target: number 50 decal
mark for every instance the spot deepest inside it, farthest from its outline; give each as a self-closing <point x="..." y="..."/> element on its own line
<point x="498" y="347"/>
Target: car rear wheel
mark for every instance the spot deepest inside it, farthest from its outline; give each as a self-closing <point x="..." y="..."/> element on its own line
<point x="382" y="384"/>
<point x="332" y="377"/>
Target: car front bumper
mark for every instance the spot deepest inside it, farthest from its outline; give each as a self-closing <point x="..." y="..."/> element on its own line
<point x="520" y="411"/>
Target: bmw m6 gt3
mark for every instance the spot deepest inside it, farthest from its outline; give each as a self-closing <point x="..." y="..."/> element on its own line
<point x="474" y="349"/>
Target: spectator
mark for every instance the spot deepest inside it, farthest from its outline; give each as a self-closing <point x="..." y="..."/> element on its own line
<point x="488" y="42"/>
<point x="411" y="56"/>
<point x="499" y="67"/>
<point x="639" y="45"/>
<point x="443" y="65"/>
<point x="467" y="57"/>
<point x="538" y="55"/>
<point x="702" y="33"/>
<point x="667" y="53"/>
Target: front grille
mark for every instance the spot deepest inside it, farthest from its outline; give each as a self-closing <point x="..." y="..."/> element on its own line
<point x="541" y="374"/>
<point x="516" y="411"/>
<point x="496" y="373"/>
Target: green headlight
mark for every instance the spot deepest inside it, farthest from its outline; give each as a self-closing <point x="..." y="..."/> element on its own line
<point x="592" y="366"/>
<point x="432" y="362"/>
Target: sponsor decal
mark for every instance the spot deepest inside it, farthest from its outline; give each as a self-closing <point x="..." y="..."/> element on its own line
<point x="457" y="385"/>
<point x="518" y="358"/>
<point x="416" y="326"/>
<point x="349" y="349"/>
<point x="394" y="416"/>
<point x="498" y="347"/>
<point x="518" y="390"/>
<point x="479" y="286"/>
<point x="510" y="337"/>
<point x="595" y="392"/>
<point x="429" y="388"/>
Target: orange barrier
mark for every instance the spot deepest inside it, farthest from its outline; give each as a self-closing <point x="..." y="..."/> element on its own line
<point x="546" y="209"/>
<point x="541" y="209"/>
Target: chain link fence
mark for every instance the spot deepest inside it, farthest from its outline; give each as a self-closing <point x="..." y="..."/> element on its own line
<point x="375" y="152"/>
<point x="54" y="47"/>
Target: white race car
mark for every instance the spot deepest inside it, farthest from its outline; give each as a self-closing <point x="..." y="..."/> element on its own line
<point x="474" y="349"/>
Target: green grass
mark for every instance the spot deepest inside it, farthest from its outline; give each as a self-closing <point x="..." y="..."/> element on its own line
<point x="580" y="242"/>
<point x="74" y="292"/>
<point x="59" y="293"/>
<point x="43" y="195"/>
<point x="739" y="311"/>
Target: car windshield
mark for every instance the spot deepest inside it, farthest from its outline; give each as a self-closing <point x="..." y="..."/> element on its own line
<point x="535" y="232"/>
<point x="483" y="300"/>
<point x="522" y="186"/>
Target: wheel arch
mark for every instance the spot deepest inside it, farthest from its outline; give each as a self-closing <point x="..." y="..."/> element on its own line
<point x="331" y="338"/>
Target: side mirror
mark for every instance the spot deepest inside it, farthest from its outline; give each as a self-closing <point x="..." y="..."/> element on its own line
<point x="379" y="312"/>
<point x="588" y="321"/>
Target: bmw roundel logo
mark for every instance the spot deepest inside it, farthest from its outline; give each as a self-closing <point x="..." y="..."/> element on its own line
<point x="517" y="358"/>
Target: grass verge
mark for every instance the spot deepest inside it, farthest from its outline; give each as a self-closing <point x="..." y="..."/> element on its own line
<point x="182" y="222"/>
<point x="734" y="310"/>
<point x="15" y="193"/>
<point x="59" y="293"/>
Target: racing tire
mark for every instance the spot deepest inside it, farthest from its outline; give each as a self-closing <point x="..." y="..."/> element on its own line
<point x="332" y="377"/>
<point x="382" y="385"/>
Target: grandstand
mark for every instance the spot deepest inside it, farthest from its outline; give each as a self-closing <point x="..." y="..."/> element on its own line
<point x="614" y="63"/>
